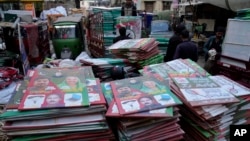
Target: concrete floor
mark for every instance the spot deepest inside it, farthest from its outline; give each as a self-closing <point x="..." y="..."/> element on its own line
<point x="201" y="60"/>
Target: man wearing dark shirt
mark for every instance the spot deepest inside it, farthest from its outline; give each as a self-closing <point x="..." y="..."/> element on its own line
<point x="122" y="36"/>
<point x="186" y="49"/>
<point x="173" y="42"/>
<point x="213" y="49"/>
<point x="215" y="42"/>
<point x="129" y="9"/>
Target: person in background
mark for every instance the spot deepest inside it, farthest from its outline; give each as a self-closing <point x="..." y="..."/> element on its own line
<point x="129" y="9"/>
<point x="173" y="42"/>
<point x="186" y="49"/>
<point x="122" y="36"/>
<point x="214" y="42"/>
<point x="213" y="49"/>
<point x="182" y="19"/>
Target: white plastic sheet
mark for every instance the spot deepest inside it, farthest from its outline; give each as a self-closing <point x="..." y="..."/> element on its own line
<point x="57" y="10"/>
<point x="6" y="93"/>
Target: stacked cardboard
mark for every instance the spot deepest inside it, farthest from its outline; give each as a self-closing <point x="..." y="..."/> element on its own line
<point x="102" y="67"/>
<point x="139" y="51"/>
<point x="243" y="14"/>
<point x="139" y="112"/>
<point x="211" y="103"/>
<point x="109" y="16"/>
<point x="60" y="111"/>
<point x="211" y="109"/>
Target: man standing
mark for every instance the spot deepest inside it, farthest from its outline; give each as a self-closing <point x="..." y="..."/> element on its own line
<point x="213" y="49"/>
<point x="186" y="49"/>
<point x="214" y="42"/>
<point x="173" y="42"/>
<point x="129" y="9"/>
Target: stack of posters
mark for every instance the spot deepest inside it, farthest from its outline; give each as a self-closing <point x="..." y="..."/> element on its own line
<point x="5" y="95"/>
<point x="143" y="108"/>
<point x="175" y="68"/>
<point x="186" y="68"/>
<point x="58" y="104"/>
<point x="243" y="14"/>
<point x="109" y="15"/>
<point x="211" y="103"/>
<point x="137" y="50"/>
<point x="14" y="100"/>
<point x="208" y="108"/>
<point x="239" y="112"/>
<point x="102" y="67"/>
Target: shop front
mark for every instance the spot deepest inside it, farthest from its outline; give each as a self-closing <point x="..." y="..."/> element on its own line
<point x="32" y="5"/>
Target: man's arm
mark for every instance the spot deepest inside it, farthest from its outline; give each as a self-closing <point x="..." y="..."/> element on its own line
<point x="207" y="44"/>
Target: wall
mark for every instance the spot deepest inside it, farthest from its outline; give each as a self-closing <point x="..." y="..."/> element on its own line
<point x="157" y="4"/>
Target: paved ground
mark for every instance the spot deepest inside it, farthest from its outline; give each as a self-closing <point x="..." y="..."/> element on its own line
<point x="201" y="61"/>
